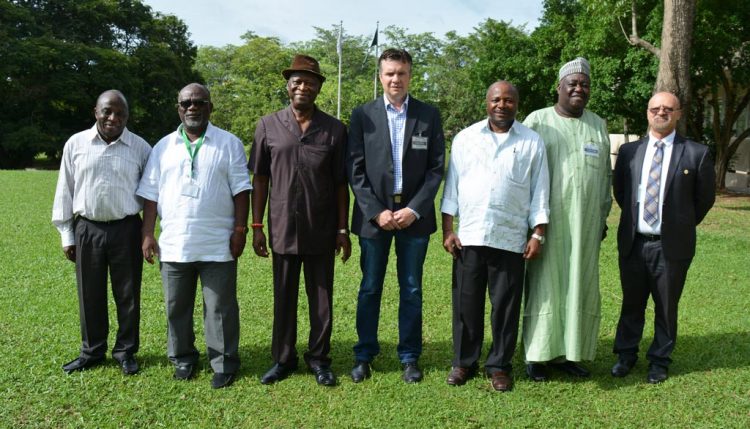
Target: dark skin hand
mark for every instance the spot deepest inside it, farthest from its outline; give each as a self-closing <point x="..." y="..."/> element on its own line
<point x="149" y="246"/>
<point x="452" y="244"/>
<point x="241" y="209"/>
<point x="533" y="246"/>
<point x="70" y="253"/>
<point x="260" y="196"/>
<point x="343" y="243"/>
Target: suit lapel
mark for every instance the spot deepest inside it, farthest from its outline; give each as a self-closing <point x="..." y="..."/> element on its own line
<point x="677" y="149"/>
<point x="380" y="117"/>
<point x="411" y="119"/>
<point x="640" y="154"/>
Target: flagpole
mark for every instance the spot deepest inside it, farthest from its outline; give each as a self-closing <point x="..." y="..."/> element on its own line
<point x="339" y="50"/>
<point x="377" y="54"/>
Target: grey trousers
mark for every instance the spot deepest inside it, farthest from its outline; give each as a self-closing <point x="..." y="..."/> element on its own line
<point x="221" y="318"/>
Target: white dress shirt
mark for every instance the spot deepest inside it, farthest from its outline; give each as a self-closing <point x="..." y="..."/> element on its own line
<point x="644" y="227"/>
<point x="497" y="185"/>
<point x="195" y="203"/>
<point x="98" y="180"/>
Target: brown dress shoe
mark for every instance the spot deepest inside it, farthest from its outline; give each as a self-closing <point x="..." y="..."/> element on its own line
<point x="459" y="375"/>
<point x="502" y="381"/>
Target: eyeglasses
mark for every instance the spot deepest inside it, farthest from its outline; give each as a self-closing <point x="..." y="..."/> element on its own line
<point x="667" y="110"/>
<point x="185" y="104"/>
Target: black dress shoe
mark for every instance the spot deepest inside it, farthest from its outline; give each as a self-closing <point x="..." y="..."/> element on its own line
<point x="536" y="371"/>
<point x="278" y="372"/>
<point x="361" y="371"/>
<point x="571" y="368"/>
<point x="323" y="375"/>
<point x="81" y="363"/>
<point x="129" y="366"/>
<point x="184" y="372"/>
<point x="222" y="379"/>
<point x="412" y="373"/>
<point x="656" y="373"/>
<point x="622" y="367"/>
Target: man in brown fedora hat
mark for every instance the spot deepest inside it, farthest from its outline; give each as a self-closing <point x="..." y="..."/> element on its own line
<point x="301" y="150"/>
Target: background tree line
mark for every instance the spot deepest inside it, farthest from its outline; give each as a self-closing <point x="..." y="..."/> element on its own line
<point x="56" y="56"/>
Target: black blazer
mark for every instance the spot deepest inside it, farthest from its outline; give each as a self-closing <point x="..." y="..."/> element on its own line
<point x="369" y="166"/>
<point x="688" y="195"/>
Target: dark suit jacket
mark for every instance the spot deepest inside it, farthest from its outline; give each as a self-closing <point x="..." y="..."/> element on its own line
<point x="370" y="166"/>
<point x="688" y="195"/>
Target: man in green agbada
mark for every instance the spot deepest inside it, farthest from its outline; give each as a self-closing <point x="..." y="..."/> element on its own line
<point x="562" y="305"/>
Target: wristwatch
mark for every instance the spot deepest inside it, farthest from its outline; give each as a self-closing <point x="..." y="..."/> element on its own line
<point x="540" y="238"/>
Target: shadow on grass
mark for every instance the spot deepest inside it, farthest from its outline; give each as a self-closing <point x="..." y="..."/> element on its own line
<point x="436" y="356"/>
<point x="693" y="354"/>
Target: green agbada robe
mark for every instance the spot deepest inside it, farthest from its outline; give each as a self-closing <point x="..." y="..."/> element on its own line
<point x="562" y="305"/>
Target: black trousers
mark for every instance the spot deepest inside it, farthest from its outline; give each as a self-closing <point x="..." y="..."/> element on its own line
<point x="642" y="273"/>
<point x="113" y="247"/>
<point x="319" y="287"/>
<point x="477" y="270"/>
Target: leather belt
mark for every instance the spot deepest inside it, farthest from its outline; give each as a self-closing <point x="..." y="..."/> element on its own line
<point x="107" y="222"/>
<point x="649" y="237"/>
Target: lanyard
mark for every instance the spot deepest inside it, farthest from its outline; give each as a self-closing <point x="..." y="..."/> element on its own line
<point x="192" y="152"/>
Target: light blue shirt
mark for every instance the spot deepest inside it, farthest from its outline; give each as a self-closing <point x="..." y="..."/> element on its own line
<point x="396" y="126"/>
<point x="497" y="185"/>
<point x="643" y="226"/>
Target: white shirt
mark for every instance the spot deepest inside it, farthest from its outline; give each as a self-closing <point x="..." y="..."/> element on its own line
<point x="196" y="228"/>
<point x="644" y="227"/>
<point x="497" y="185"/>
<point x="98" y="180"/>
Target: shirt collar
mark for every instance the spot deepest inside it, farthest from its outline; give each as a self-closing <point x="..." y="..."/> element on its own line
<point x="94" y="135"/>
<point x="210" y="132"/>
<point x="404" y="105"/>
<point x="668" y="140"/>
<point x="513" y="128"/>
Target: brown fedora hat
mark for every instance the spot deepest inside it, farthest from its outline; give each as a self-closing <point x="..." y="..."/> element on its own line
<point x="304" y="63"/>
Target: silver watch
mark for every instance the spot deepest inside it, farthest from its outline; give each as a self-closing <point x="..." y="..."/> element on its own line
<point x="540" y="238"/>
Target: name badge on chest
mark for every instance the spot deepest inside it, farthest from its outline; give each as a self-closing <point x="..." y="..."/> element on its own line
<point x="591" y="150"/>
<point x="189" y="188"/>
<point x="419" y="142"/>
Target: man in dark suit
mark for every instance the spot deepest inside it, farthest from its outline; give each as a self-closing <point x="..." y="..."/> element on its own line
<point x="395" y="157"/>
<point x="664" y="184"/>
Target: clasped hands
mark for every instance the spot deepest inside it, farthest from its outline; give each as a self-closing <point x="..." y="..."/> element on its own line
<point x="400" y="219"/>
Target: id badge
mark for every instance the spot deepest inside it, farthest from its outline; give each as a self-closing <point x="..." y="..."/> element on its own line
<point x="189" y="188"/>
<point x="419" y="142"/>
<point x="591" y="150"/>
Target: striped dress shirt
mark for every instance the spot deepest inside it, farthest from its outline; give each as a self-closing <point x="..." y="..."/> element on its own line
<point x="98" y="180"/>
<point x="396" y="126"/>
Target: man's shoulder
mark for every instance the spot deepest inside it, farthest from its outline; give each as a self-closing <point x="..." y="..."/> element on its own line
<point x="592" y="117"/>
<point x="138" y="141"/>
<point x="220" y="133"/>
<point x="422" y="106"/>
<point x="327" y="120"/>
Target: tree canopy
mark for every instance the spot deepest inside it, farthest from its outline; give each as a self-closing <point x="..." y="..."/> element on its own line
<point x="58" y="56"/>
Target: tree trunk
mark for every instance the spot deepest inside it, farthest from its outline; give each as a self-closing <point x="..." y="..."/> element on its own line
<point x="674" y="61"/>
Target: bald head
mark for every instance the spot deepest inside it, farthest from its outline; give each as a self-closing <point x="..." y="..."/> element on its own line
<point x="502" y="105"/>
<point x="111" y="113"/>
<point x="194" y="107"/>
<point x="663" y="113"/>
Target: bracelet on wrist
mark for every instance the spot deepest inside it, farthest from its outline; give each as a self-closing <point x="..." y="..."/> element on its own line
<point x="343" y="231"/>
<point x="256" y="225"/>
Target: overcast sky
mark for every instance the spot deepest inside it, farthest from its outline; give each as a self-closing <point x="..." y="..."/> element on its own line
<point x="222" y="22"/>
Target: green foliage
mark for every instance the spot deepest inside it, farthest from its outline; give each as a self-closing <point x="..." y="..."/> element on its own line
<point x="39" y="331"/>
<point x="59" y="56"/>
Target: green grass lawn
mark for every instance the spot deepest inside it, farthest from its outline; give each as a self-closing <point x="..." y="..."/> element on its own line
<point x="709" y="383"/>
